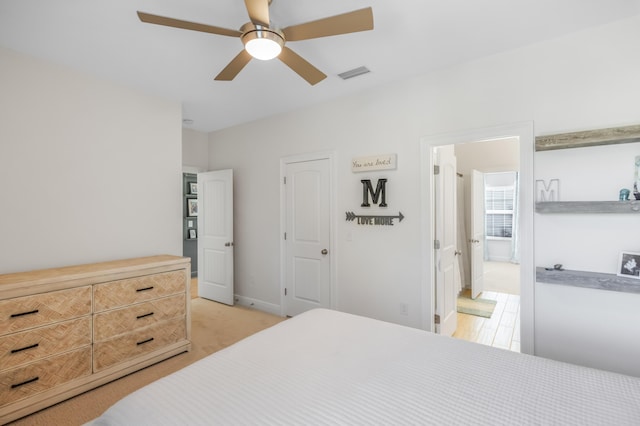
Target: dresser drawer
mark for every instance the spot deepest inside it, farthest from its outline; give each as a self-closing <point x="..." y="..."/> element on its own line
<point x="27" y="346"/>
<point x="120" y="293"/>
<point x="112" y="323"/>
<point x="127" y="346"/>
<point x="28" y="380"/>
<point x="27" y="312"/>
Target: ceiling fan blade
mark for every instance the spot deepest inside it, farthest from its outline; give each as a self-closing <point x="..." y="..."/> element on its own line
<point x="303" y="68"/>
<point x="350" y="22"/>
<point x="177" y="23"/>
<point x="234" y="67"/>
<point x="258" y="11"/>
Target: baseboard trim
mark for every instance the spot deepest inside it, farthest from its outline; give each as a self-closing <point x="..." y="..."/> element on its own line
<point x="257" y="304"/>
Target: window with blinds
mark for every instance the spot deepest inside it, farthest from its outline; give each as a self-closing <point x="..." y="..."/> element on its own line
<point x="498" y="204"/>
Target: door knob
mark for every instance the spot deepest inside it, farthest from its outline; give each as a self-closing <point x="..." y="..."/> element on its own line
<point x="457" y="253"/>
<point x="324" y="251"/>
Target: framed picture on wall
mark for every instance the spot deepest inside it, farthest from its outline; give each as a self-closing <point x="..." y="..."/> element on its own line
<point x="629" y="265"/>
<point x="192" y="207"/>
<point x="193" y="187"/>
<point x="192" y="234"/>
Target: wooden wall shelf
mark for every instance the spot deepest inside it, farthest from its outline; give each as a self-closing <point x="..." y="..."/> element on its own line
<point x="610" y="136"/>
<point x="584" y="279"/>
<point x="588" y="207"/>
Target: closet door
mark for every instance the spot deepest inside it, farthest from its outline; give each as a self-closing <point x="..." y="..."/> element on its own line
<point x="215" y="239"/>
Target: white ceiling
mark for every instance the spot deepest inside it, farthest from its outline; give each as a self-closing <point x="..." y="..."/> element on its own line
<point x="411" y="37"/>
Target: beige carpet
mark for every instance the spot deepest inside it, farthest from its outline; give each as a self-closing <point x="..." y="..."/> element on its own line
<point x="501" y="277"/>
<point x="213" y="327"/>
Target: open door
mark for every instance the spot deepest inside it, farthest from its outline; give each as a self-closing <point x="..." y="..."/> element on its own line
<point x="215" y="239"/>
<point x="476" y="242"/>
<point x="445" y="234"/>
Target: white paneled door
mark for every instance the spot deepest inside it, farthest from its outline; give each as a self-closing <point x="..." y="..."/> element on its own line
<point x="476" y="243"/>
<point x="445" y="233"/>
<point x="307" y="263"/>
<point x="215" y="236"/>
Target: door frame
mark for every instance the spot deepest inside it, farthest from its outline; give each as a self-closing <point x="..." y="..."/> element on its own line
<point x="525" y="133"/>
<point x="300" y="158"/>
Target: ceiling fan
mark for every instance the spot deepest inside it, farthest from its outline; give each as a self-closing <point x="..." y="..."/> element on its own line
<point x="264" y="41"/>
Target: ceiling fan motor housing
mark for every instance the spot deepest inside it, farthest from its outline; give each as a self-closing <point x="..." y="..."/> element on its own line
<point x="262" y="42"/>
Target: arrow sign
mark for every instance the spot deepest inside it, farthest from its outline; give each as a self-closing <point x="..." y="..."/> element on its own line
<point x="373" y="220"/>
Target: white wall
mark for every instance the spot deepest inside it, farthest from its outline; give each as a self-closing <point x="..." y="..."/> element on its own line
<point x="583" y="81"/>
<point x="502" y="155"/>
<point x="89" y="171"/>
<point x="195" y="150"/>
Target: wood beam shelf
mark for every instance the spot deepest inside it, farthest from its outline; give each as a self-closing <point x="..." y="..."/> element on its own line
<point x="588" y="207"/>
<point x="584" y="279"/>
<point x="610" y="136"/>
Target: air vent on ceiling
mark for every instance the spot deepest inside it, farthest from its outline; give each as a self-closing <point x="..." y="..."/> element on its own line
<point x="354" y="73"/>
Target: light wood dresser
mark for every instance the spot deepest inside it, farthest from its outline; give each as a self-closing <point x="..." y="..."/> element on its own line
<point x="64" y="331"/>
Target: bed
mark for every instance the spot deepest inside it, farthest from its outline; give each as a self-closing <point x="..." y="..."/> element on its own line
<point x="325" y="367"/>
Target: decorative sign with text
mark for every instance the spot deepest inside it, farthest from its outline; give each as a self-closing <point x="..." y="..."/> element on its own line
<point x="373" y="220"/>
<point x="376" y="162"/>
<point x="376" y="196"/>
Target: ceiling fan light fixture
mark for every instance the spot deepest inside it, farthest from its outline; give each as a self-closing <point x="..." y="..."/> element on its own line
<point x="261" y="42"/>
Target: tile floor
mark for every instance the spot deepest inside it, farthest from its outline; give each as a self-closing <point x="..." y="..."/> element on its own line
<point x="502" y="330"/>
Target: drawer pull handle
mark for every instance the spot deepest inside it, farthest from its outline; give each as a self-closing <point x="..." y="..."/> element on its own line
<point x="14" y="351"/>
<point x="26" y="382"/>
<point x="145" y="341"/>
<point x="35" y="311"/>
<point x="145" y="315"/>
<point x="144" y="289"/>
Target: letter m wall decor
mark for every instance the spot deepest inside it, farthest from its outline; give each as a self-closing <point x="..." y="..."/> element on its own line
<point x="377" y="195"/>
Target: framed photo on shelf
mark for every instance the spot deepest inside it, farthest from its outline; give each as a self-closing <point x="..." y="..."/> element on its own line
<point x="192" y="234"/>
<point x="193" y="188"/>
<point x="629" y="265"/>
<point x="192" y="207"/>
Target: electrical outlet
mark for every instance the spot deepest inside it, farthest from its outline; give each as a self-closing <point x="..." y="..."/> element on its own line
<point x="404" y="309"/>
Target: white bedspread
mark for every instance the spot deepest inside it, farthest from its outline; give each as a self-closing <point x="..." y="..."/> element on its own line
<point x="329" y="368"/>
